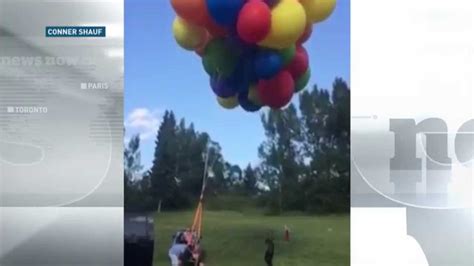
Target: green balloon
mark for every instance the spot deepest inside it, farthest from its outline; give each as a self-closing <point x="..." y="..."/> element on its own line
<point x="220" y="58"/>
<point x="288" y="54"/>
<point x="209" y="66"/>
<point x="302" y="81"/>
<point x="226" y="67"/>
<point x="215" y="47"/>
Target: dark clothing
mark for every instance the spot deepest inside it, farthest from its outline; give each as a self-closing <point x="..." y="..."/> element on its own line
<point x="186" y="256"/>
<point x="269" y="259"/>
<point x="188" y="260"/>
<point x="269" y="253"/>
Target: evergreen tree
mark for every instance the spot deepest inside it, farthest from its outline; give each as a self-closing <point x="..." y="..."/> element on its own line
<point x="132" y="160"/>
<point x="234" y="176"/>
<point x="326" y="122"/>
<point x="134" y="190"/>
<point x="282" y="157"/>
<point x="306" y="154"/>
<point x="250" y="180"/>
<point x="305" y="160"/>
<point x="176" y="176"/>
<point x="163" y="171"/>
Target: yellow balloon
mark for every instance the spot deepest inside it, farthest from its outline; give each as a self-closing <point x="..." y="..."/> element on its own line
<point x="318" y="10"/>
<point x="253" y="96"/>
<point x="187" y="35"/>
<point x="288" y="24"/>
<point x="228" y="103"/>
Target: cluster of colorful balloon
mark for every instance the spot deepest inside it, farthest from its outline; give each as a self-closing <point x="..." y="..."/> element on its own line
<point x="252" y="49"/>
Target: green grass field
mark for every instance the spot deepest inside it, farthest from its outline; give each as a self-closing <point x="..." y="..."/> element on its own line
<point x="237" y="239"/>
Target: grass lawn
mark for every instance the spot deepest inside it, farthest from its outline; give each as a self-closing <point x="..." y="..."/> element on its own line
<point x="237" y="239"/>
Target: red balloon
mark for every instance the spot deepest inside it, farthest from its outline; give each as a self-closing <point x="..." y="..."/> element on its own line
<point x="254" y="21"/>
<point x="276" y="92"/>
<point x="306" y="34"/>
<point x="194" y="11"/>
<point x="300" y="63"/>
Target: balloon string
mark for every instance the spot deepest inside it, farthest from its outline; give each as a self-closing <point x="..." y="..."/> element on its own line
<point x="219" y="76"/>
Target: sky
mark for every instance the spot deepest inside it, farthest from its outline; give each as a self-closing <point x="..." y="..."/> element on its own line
<point x="160" y="76"/>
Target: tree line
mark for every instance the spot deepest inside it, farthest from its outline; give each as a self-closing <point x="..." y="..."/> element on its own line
<point x="304" y="161"/>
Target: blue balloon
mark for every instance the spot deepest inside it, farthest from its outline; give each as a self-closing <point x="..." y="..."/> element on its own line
<point x="242" y="76"/>
<point x="239" y="82"/>
<point x="225" y="12"/>
<point x="246" y="104"/>
<point x="268" y="64"/>
<point x="222" y="87"/>
<point x="244" y="47"/>
<point x="249" y="65"/>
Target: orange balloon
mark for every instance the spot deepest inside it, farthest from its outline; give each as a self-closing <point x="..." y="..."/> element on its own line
<point x="194" y="11"/>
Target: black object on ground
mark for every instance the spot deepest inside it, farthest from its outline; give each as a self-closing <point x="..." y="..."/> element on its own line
<point x="139" y="240"/>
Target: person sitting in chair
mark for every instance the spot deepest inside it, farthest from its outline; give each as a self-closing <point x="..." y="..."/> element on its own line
<point x="176" y="252"/>
<point x="188" y="236"/>
<point x="193" y="255"/>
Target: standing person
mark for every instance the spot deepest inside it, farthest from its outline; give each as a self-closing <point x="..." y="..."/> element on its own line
<point x="175" y="253"/>
<point x="269" y="251"/>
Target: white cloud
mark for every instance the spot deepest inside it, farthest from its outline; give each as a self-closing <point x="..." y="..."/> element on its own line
<point x="144" y="122"/>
